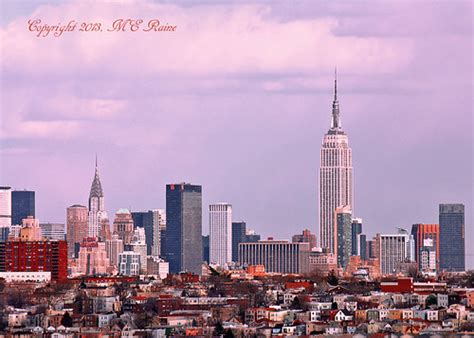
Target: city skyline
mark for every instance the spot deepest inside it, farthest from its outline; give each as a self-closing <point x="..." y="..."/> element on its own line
<point x="267" y="134"/>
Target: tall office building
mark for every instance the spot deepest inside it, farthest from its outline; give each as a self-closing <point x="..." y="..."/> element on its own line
<point x="183" y="235"/>
<point x="205" y="248"/>
<point x="76" y="228"/>
<point x="335" y="176"/>
<point x="356" y="229"/>
<point x="53" y="231"/>
<point x="276" y="256"/>
<point x="426" y="238"/>
<point x="123" y="225"/>
<point x="362" y="246"/>
<point x="220" y="233"/>
<point x="113" y="247"/>
<point x="305" y="237"/>
<point x="97" y="214"/>
<point x="452" y="237"/>
<point x="393" y="250"/>
<point x="153" y="221"/>
<point x="23" y="205"/>
<point x="238" y="236"/>
<point x="343" y="235"/>
<point x="5" y="207"/>
<point x="138" y="245"/>
<point x="159" y="226"/>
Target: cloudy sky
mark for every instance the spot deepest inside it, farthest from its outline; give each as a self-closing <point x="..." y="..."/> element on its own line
<point x="237" y="99"/>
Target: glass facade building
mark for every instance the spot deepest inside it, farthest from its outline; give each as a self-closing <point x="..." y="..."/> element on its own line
<point x="239" y="230"/>
<point x="451" y="237"/>
<point x="356" y="229"/>
<point x="182" y="245"/>
<point x="23" y="205"/>
<point x="343" y="220"/>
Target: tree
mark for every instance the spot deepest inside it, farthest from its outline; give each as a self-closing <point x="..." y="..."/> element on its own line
<point x="332" y="278"/>
<point x="66" y="321"/>
<point x="431" y="300"/>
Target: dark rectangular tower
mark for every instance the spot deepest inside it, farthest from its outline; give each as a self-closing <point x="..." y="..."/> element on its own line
<point x="356" y="229"/>
<point x="183" y="238"/>
<point x="451" y="237"/>
<point x="23" y="205"/>
<point x="239" y="230"/>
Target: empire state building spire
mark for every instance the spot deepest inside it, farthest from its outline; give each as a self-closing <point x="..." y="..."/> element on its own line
<point x="336" y="126"/>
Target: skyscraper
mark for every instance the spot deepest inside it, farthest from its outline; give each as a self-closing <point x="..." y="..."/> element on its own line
<point x="5" y="207"/>
<point x="97" y="214"/>
<point x="77" y="228"/>
<point x="452" y="237"/>
<point x="362" y="246"/>
<point x="356" y="229"/>
<point x="153" y="221"/>
<point x="220" y="233"/>
<point x="23" y="205"/>
<point x="123" y="225"/>
<point x="335" y="176"/>
<point x="238" y="236"/>
<point x="113" y="248"/>
<point x="159" y="225"/>
<point x="343" y="235"/>
<point x="426" y="238"/>
<point x="183" y="235"/>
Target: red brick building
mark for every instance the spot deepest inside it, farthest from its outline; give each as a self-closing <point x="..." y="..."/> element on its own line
<point x="34" y="256"/>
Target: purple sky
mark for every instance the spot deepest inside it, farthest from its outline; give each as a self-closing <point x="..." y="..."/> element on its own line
<point x="238" y="100"/>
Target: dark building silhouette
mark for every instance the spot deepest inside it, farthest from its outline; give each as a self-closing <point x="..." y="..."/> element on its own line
<point x="23" y="205"/>
<point x="362" y="249"/>
<point x="239" y="230"/>
<point x="144" y="219"/>
<point x="183" y="238"/>
<point x="205" y="248"/>
<point x="356" y="229"/>
<point x="451" y="237"/>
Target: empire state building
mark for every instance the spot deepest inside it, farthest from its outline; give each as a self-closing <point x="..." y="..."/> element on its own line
<point x="336" y="187"/>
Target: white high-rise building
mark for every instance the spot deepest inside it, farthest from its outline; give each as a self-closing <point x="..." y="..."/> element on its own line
<point x="97" y="214"/>
<point x="159" y="224"/>
<point x="395" y="249"/>
<point x="220" y="233"/>
<point x="5" y="207"/>
<point x="335" y="177"/>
